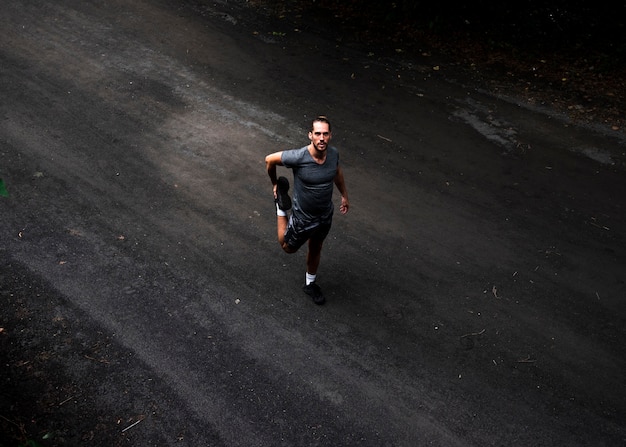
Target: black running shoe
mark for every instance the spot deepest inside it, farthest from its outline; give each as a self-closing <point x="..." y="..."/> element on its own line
<point x="282" y="198"/>
<point x="314" y="291"/>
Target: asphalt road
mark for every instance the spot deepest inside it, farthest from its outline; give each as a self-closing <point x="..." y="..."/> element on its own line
<point x="475" y="290"/>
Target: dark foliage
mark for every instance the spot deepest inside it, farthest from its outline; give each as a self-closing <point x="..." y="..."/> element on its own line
<point x="571" y="55"/>
<point x="535" y="25"/>
<point x="558" y="21"/>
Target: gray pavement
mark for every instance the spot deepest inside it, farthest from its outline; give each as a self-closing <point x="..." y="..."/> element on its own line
<point x="475" y="291"/>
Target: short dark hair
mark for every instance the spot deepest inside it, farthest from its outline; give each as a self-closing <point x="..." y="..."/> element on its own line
<point x="321" y="119"/>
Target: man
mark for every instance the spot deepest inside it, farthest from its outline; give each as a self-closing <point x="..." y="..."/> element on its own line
<point x="315" y="170"/>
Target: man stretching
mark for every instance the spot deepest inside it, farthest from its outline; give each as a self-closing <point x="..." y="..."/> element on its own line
<point x="315" y="170"/>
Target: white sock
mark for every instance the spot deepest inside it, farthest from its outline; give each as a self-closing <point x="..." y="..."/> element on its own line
<point x="310" y="278"/>
<point x="280" y="212"/>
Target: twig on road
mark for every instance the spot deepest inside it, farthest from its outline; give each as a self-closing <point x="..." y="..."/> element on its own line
<point x="132" y="425"/>
<point x="96" y="360"/>
<point x="473" y="334"/>
<point x="66" y="400"/>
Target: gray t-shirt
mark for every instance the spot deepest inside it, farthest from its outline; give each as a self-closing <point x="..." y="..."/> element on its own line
<point x="312" y="183"/>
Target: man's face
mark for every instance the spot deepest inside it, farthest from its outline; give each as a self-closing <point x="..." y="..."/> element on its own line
<point x="320" y="136"/>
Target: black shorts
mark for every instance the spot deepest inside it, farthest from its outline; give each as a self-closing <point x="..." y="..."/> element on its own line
<point x="298" y="232"/>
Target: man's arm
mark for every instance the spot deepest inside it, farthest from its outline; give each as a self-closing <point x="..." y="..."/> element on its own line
<point x="341" y="186"/>
<point x="271" y="161"/>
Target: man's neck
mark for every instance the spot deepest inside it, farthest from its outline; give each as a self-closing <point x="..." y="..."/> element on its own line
<point x="318" y="156"/>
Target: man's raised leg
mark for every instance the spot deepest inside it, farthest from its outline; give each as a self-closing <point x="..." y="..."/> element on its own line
<point x="281" y="225"/>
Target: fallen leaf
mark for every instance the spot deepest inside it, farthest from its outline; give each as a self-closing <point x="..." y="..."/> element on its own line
<point x="494" y="290"/>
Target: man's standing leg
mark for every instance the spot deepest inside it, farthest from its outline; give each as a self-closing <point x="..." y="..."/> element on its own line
<point x="313" y="257"/>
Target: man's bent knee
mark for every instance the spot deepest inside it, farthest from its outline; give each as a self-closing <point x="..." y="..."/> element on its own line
<point x="288" y="248"/>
